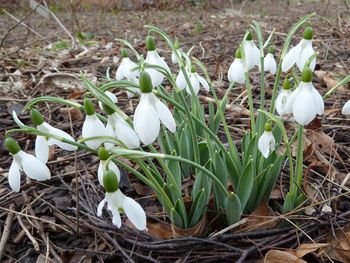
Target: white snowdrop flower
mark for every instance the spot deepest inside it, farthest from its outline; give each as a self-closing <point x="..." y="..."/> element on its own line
<point x="32" y="166"/>
<point x="125" y="69"/>
<point x="236" y="70"/>
<point x="305" y="101"/>
<point x="346" y="108"/>
<point x="110" y="95"/>
<point x="195" y="79"/>
<point x="92" y="127"/>
<point x="118" y="203"/>
<point x="150" y="112"/>
<point x="119" y="128"/>
<point x="132" y="90"/>
<point x="282" y="97"/>
<point x="252" y="53"/>
<point x="43" y="143"/>
<point x="153" y="58"/>
<point x="266" y="143"/>
<point x="103" y="154"/>
<point x="300" y="53"/>
<point x="270" y="62"/>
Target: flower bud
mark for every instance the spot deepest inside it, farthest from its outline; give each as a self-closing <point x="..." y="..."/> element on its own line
<point x="150" y="43"/>
<point x="268" y="127"/>
<point x="286" y="84"/>
<point x="145" y="82"/>
<point x="103" y="154"/>
<point x="193" y="69"/>
<point x="36" y="117"/>
<point x="271" y="50"/>
<point x="12" y="146"/>
<point x="249" y="36"/>
<point x="306" y="75"/>
<point x="238" y="53"/>
<point x="107" y="109"/>
<point x="308" y="33"/>
<point x="89" y="107"/>
<point x="124" y="53"/>
<point x="110" y="181"/>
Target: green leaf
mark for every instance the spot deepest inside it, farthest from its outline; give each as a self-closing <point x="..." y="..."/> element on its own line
<point x="175" y="218"/>
<point x="180" y="208"/>
<point x="245" y="184"/>
<point x="202" y="181"/>
<point x="288" y="203"/>
<point x="198" y="208"/>
<point x="232" y="208"/>
<point x="220" y="170"/>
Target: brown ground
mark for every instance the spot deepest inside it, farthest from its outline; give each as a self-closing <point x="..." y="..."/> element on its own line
<point x="44" y="215"/>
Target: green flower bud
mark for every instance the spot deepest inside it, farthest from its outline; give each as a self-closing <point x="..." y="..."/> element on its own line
<point x="286" y="84"/>
<point x="238" y="53"/>
<point x="268" y="127"/>
<point x="89" y="107"/>
<point x="249" y="36"/>
<point x="12" y="146"/>
<point x="36" y="117"/>
<point x="145" y="82"/>
<point x="271" y="50"/>
<point x="306" y="75"/>
<point x="308" y="33"/>
<point x="110" y="181"/>
<point x="103" y="154"/>
<point x="107" y="109"/>
<point x="150" y="43"/>
<point x="124" y="53"/>
<point x="193" y="69"/>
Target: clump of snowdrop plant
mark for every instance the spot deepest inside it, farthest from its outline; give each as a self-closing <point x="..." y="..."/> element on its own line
<point x="187" y="145"/>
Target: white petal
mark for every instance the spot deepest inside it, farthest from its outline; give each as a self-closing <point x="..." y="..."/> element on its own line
<point x="33" y="167"/>
<point x="93" y="127"/>
<point x="303" y="107"/>
<point x="173" y="58"/>
<point x="154" y="59"/>
<point x="305" y="54"/>
<point x="100" y="206"/>
<point x="146" y="120"/>
<point x="111" y="166"/>
<point x="204" y="83"/>
<point x="290" y="101"/>
<point x="14" y="177"/>
<point x="317" y="100"/>
<point x="252" y="54"/>
<point x="291" y="57"/>
<point x="126" y="134"/>
<point x="165" y="115"/>
<point x="270" y="63"/>
<point x="194" y="83"/>
<point x="42" y="149"/>
<point x="133" y="91"/>
<point x="110" y="95"/>
<point x="181" y="81"/>
<point x="281" y="101"/>
<point x="129" y="73"/>
<point x="236" y="71"/>
<point x="264" y="143"/>
<point x="100" y="172"/>
<point x="346" y="108"/>
<point x="119" y="75"/>
<point x="135" y="213"/>
<point x="62" y="134"/>
<point x="116" y="220"/>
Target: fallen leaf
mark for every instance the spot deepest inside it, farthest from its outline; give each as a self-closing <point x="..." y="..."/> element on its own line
<point x="305" y="249"/>
<point x="279" y="256"/>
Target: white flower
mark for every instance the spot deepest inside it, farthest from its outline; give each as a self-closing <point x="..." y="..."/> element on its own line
<point x="32" y="166"/>
<point x="299" y="55"/>
<point x="110" y="95"/>
<point x="101" y="170"/>
<point x="269" y="63"/>
<point x="153" y="58"/>
<point x="236" y="71"/>
<point x="148" y="114"/>
<point x="266" y="143"/>
<point x="117" y="202"/>
<point x="133" y="90"/>
<point x="252" y="54"/>
<point x="196" y="82"/>
<point x="93" y="127"/>
<point x="125" y="70"/>
<point x="305" y="102"/>
<point x="119" y="128"/>
<point x="174" y="58"/>
<point x="281" y="101"/>
<point x="346" y="108"/>
<point x="42" y="143"/>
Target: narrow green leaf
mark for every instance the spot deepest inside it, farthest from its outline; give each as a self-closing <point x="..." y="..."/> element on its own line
<point x="198" y="208"/>
<point x="245" y="184"/>
<point x="232" y="208"/>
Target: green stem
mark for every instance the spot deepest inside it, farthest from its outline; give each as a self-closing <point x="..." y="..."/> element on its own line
<point x="275" y="87"/>
<point x="299" y="165"/>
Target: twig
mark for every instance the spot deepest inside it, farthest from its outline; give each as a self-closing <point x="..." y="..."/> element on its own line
<point x="29" y="235"/>
<point x="6" y="232"/>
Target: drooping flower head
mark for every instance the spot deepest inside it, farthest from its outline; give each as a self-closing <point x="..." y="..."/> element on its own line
<point x="43" y="143"/>
<point x="173" y="55"/>
<point x="269" y="61"/>
<point x="305" y="101"/>
<point x="92" y="127"/>
<point x="252" y="53"/>
<point x="153" y="58"/>
<point x="32" y="166"/>
<point x="236" y="70"/>
<point x="118" y="203"/>
<point x="150" y="112"/>
<point x="266" y="142"/>
<point x="103" y="154"/>
<point x="301" y="53"/>
<point x="195" y="79"/>
<point x="282" y="97"/>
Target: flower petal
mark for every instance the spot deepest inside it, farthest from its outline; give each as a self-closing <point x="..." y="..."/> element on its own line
<point x="270" y="63"/>
<point x="110" y="95"/>
<point x="42" y="149"/>
<point x="291" y="57"/>
<point x="116" y="219"/>
<point x="181" y="81"/>
<point x="14" y="177"/>
<point x="146" y="120"/>
<point x="236" y="71"/>
<point x="111" y="166"/>
<point x="346" y="108"/>
<point x="173" y="58"/>
<point x="33" y="167"/>
<point x="303" y="110"/>
<point x="252" y="54"/>
<point x="194" y="83"/>
<point x="135" y="213"/>
<point x="204" y="83"/>
<point x="264" y="144"/>
<point x="126" y="134"/>
<point x="100" y="206"/>
<point x="165" y="115"/>
<point x="100" y="172"/>
<point x="129" y="73"/>
<point x="305" y="54"/>
<point x="154" y="59"/>
<point x="93" y="127"/>
<point x="317" y="100"/>
<point x="281" y="101"/>
<point x="59" y="133"/>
